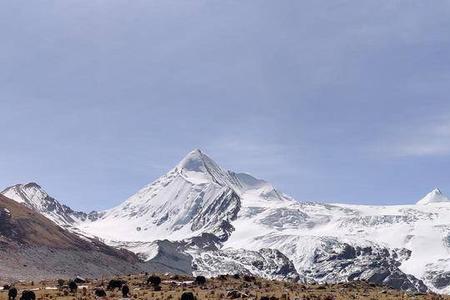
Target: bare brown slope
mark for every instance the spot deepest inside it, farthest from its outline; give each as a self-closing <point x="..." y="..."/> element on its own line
<point x="28" y="227"/>
<point x="32" y="247"/>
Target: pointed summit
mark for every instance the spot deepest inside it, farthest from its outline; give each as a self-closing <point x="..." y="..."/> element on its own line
<point x="435" y="196"/>
<point x="193" y="161"/>
<point x="32" y="194"/>
<point x="198" y="168"/>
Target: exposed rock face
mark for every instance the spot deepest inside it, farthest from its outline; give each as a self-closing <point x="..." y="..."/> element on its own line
<point x="170" y="255"/>
<point x="217" y="216"/>
<point x="268" y="263"/>
<point x="441" y="280"/>
<point x="437" y="276"/>
<point x="337" y="262"/>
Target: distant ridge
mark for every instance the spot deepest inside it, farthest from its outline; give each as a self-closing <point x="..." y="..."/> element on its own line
<point x="435" y="196"/>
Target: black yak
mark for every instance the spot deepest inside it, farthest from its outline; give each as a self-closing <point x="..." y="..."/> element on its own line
<point x="188" y="296"/>
<point x="115" y="284"/>
<point x="154" y="281"/>
<point x="125" y="291"/>
<point x="73" y="286"/>
<point x="99" y="292"/>
<point x="28" y="295"/>
<point x="200" y="280"/>
<point x="12" y="293"/>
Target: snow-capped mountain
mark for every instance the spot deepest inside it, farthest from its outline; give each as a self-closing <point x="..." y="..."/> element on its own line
<point x="215" y="221"/>
<point x="35" y="197"/>
<point x="195" y="197"/>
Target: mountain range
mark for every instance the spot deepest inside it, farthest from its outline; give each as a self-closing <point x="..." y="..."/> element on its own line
<point x="201" y="219"/>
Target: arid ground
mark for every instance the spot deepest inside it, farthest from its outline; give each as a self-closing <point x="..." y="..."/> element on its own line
<point x="224" y="287"/>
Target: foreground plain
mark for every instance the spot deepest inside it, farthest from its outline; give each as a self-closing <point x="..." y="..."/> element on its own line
<point x="223" y="287"/>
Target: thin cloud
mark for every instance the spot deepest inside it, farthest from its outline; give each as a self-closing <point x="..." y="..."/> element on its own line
<point x="254" y="156"/>
<point x="432" y="139"/>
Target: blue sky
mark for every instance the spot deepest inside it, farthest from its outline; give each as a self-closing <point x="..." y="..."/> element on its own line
<point x="336" y="101"/>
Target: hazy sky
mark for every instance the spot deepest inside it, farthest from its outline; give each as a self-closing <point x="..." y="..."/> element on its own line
<point x="336" y="101"/>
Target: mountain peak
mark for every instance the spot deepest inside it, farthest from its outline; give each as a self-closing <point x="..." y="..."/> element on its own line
<point x="27" y="186"/>
<point x="435" y="196"/>
<point x="25" y="192"/>
<point x="437" y="191"/>
<point x="198" y="168"/>
<point x="35" y="197"/>
<point x="31" y="185"/>
<point x="193" y="161"/>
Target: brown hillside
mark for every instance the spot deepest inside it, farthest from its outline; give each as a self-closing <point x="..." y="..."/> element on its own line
<point x="25" y="226"/>
<point x="33" y="247"/>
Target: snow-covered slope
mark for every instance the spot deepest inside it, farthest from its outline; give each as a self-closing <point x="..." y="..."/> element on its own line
<point x="223" y="219"/>
<point x="435" y="196"/>
<point x="299" y="230"/>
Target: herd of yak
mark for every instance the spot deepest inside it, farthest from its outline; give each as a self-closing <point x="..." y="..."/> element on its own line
<point x="100" y="292"/>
